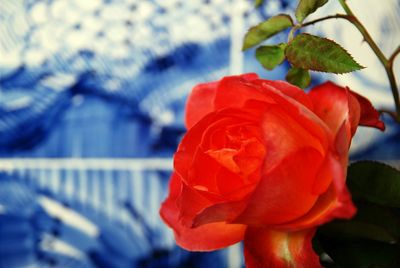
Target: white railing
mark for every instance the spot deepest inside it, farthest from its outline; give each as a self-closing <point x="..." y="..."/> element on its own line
<point x="100" y="188"/>
<point x="9" y="164"/>
<point x="102" y="185"/>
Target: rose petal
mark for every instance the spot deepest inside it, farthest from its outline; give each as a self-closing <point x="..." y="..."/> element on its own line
<point x="289" y="90"/>
<point x="200" y="102"/>
<point x="249" y="76"/>
<point x="285" y="193"/>
<point x="301" y="114"/>
<point x="328" y="207"/>
<point x="283" y="139"/>
<point x="341" y="145"/>
<point x="274" y="249"/>
<point x="369" y="116"/>
<point x="220" y="212"/>
<point x="201" y="99"/>
<point x="235" y="91"/>
<point x="190" y="202"/>
<point x="324" y="177"/>
<point x="335" y="104"/>
<point x="209" y="237"/>
<point x="331" y="105"/>
<point x="354" y="114"/>
<point x="334" y="203"/>
<point x="204" y="238"/>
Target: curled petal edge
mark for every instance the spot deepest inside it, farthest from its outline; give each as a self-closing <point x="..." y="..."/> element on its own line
<point x="207" y="237"/>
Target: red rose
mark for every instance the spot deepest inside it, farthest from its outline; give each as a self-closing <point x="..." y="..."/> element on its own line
<point x="263" y="162"/>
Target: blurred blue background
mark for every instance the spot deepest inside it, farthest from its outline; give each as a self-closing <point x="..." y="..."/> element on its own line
<point x="91" y="110"/>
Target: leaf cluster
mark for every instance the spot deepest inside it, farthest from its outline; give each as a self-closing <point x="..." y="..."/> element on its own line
<point x="304" y="52"/>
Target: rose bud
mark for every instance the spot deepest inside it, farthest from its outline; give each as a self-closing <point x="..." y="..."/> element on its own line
<point x="263" y="162"/>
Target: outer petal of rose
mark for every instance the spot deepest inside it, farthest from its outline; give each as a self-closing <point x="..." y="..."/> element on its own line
<point x="335" y="104"/>
<point x="369" y="116"/>
<point x="192" y="202"/>
<point x="235" y="91"/>
<point x="204" y="238"/>
<point x="331" y="104"/>
<point x="226" y="211"/>
<point x="200" y="102"/>
<point x="300" y="113"/>
<point x="189" y="204"/>
<point x="285" y="193"/>
<point x="249" y="76"/>
<point x="334" y="203"/>
<point x="198" y="206"/>
<point x="265" y="248"/>
<point x="289" y="90"/>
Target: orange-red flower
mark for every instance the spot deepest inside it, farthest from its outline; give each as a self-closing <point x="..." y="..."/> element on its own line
<point x="263" y="162"/>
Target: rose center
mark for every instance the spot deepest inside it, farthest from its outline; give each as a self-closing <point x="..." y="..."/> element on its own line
<point x="241" y="152"/>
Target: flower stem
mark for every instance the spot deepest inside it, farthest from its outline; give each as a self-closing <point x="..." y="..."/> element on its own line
<point x="387" y="63"/>
<point x="367" y="37"/>
<point x="395" y="90"/>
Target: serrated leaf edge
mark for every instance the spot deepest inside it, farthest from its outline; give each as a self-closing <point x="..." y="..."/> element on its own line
<point x="360" y="66"/>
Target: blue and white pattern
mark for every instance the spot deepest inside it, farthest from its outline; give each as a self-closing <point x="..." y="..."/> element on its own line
<point x="84" y="80"/>
<point x="91" y="110"/>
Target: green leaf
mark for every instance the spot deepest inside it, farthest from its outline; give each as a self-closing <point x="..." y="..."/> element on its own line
<point x="271" y="56"/>
<point x="384" y="217"/>
<point x="319" y="54"/>
<point x="373" y="222"/>
<point x="266" y="29"/>
<point x="298" y="77"/>
<point x="375" y="182"/>
<point x="376" y="226"/>
<point x="342" y="229"/>
<point x="306" y="7"/>
<point x="361" y="253"/>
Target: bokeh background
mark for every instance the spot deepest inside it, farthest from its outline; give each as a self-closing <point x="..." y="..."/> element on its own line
<point x="92" y="94"/>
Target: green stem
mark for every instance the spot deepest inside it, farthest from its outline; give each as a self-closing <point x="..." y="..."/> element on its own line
<point x="346" y="7"/>
<point x="367" y="37"/>
<point x="292" y="32"/>
<point x="395" y="90"/>
<point x="387" y="64"/>
<point x="337" y="16"/>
